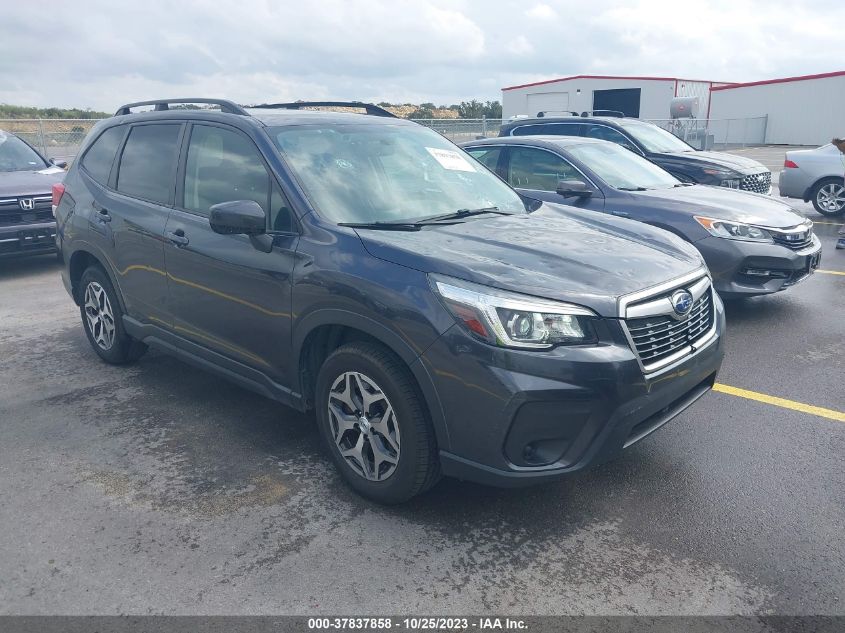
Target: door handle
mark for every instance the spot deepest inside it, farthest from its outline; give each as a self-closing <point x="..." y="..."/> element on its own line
<point x="178" y="237"/>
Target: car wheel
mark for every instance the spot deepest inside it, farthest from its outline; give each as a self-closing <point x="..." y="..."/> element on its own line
<point x="373" y="419"/>
<point x="828" y="196"/>
<point x="102" y="318"/>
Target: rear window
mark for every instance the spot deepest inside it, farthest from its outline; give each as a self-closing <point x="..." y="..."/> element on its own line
<point x="98" y="160"/>
<point x="148" y="164"/>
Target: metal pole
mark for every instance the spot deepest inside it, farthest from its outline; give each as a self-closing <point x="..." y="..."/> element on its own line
<point x="41" y="139"/>
<point x="727" y="132"/>
<point x="744" y="131"/>
<point x="765" y="127"/>
<point x="484" y="125"/>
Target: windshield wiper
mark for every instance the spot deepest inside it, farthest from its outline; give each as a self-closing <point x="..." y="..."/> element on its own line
<point x="684" y="184"/>
<point x="632" y="189"/>
<point x="384" y="226"/>
<point x="460" y="213"/>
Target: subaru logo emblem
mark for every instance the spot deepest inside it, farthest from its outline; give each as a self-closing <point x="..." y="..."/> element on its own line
<point x="27" y="204"/>
<point x="681" y="302"/>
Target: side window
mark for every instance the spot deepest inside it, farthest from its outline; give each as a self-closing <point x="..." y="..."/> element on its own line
<point x="487" y="156"/>
<point x="222" y="166"/>
<point x="609" y="134"/>
<point x="538" y="169"/>
<point x="148" y="162"/>
<point x="553" y="129"/>
<point x="99" y="158"/>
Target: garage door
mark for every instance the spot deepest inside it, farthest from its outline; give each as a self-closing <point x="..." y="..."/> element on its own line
<point x="625" y="100"/>
<point x="547" y="102"/>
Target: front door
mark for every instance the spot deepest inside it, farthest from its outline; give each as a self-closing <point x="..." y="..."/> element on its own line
<point x="227" y="295"/>
<point x="536" y="173"/>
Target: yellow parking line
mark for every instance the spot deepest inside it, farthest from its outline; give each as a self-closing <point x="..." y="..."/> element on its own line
<point x="830" y="272"/>
<point x="831" y="414"/>
<point x="830" y="223"/>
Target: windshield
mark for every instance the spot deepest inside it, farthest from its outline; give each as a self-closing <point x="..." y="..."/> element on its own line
<point x="388" y="173"/>
<point x="621" y="168"/>
<point x="15" y="155"/>
<point x="655" y="139"/>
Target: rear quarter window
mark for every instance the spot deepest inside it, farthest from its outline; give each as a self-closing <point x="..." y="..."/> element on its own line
<point x="551" y="129"/>
<point x="98" y="160"/>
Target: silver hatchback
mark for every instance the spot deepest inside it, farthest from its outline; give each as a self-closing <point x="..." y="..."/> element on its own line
<point x="815" y="175"/>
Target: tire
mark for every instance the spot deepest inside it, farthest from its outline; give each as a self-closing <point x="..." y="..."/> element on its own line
<point x="828" y="196"/>
<point x="404" y="443"/>
<point x="102" y="319"/>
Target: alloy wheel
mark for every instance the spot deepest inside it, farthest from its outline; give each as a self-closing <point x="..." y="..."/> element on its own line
<point x="364" y="426"/>
<point x="831" y="197"/>
<point x="98" y="312"/>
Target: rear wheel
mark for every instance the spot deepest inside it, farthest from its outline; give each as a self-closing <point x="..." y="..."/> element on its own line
<point x="828" y="196"/>
<point x="102" y="319"/>
<point x="373" y="420"/>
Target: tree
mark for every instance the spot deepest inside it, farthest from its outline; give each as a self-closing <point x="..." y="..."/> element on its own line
<point x="476" y="109"/>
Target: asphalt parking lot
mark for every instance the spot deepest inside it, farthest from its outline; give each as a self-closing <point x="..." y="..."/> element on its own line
<point x="157" y="488"/>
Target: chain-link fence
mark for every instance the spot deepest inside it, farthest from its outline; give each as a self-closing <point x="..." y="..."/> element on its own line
<point x="462" y="130"/>
<point x="717" y="133"/>
<point x="61" y="138"/>
<point x="54" y="138"/>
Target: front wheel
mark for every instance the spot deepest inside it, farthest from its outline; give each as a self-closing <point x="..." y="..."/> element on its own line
<point x="372" y="417"/>
<point x="828" y="196"/>
<point x="102" y="319"/>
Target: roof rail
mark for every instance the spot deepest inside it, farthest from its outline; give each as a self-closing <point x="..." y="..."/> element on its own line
<point x="300" y="105"/>
<point x="544" y="113"/>
<point x="613" y="113"/>
<point x="164" y="104"/>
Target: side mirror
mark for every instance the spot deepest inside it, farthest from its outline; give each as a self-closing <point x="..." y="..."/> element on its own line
<point x="573" y="189"/>
<point x="62" y="164"/>
<point x="244" y="217"/>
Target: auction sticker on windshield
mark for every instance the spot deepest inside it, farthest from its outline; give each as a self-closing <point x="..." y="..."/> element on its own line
<point x="450" y="159"/>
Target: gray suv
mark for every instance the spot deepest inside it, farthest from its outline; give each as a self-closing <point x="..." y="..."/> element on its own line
<point x="363" y="267"/>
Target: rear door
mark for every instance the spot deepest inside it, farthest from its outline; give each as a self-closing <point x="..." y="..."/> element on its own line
<point x="228" y="296"/>
<point x="129" y="215"/>
<point x="535" y="172"/>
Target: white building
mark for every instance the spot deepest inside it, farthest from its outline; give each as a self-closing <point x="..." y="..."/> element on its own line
<point x="808" y="110"/>
<point x="643" y="97"/>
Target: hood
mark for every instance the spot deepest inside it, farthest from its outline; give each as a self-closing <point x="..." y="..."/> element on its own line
<point x="15" y="184"/>
<point x="555" y="252"/>
<point x="725" y="204"/>
<point x="740" y="164"/>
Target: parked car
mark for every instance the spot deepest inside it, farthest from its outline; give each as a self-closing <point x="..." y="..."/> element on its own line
<point x="815" y="175"/>
<point x="753" y="244"/>
<point x="27" y="226"/>
<point x="364" y="267"/>
<point x="664" y="148"/>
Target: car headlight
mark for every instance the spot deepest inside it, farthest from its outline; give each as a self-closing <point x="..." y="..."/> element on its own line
<point x="731" y="183"/>
<point x="734" y="230"/>
<point x="725" y="177"/>
<point x="508" y="319"/>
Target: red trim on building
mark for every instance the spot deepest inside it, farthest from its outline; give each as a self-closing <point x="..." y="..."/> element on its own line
<point x="552" y="81"/>
<point x="837" y="73"/>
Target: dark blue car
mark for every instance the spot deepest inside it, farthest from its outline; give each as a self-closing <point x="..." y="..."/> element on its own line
<point x="365" y="268"/>
<point x="752" y="243"/>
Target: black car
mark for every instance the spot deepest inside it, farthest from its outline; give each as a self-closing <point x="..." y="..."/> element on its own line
<point x="753" y="244"/>
<point x="664" y="148"/>
<point x="364" y="267"/>
<point x="27" y="226"/>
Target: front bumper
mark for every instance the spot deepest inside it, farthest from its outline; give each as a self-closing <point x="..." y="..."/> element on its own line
<point x="517" y="418"/>
<point x="27" y="239"/>
<point x="729" y="261"/>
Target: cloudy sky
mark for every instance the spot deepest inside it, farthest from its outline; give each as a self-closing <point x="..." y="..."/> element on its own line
<point x="100" y="54"/>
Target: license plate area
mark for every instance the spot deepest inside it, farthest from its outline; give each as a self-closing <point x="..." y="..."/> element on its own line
<point x="35" y="236"/>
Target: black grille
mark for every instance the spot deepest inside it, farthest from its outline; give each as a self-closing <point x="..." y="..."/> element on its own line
<point x="758" y="183"/>
<point x="658" y="337"/>
<point x="795" y="241"/>
<point x="11" y="212"/>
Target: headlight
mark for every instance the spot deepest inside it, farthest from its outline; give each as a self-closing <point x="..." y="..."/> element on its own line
<point x="734" y="230"/>
<point x="725" y="177"/>
<point x="508" y="319"/>
<point x="732" y="183"/>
